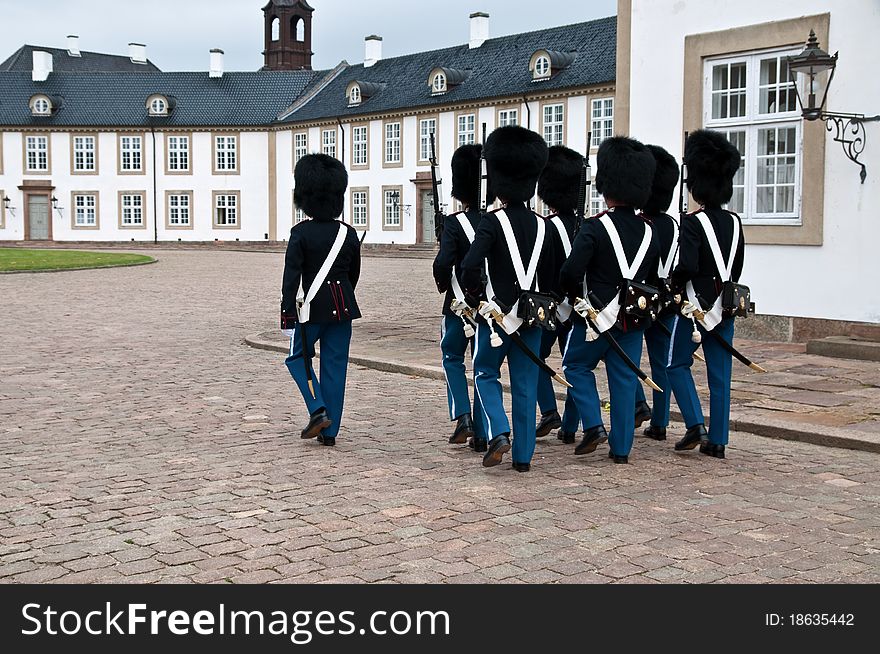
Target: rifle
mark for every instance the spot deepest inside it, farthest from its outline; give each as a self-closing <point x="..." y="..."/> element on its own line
<point x="482" y="175"/>
<point x="435" y="188"/>
<point x="584" y="191"/>
<point x="682" y="185"/>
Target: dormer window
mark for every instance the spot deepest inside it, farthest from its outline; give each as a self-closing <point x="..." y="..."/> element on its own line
<point x="357" y="92"/>
<point x="41" y="105"/>
<point x="544" y="64"/>
<point x="158" y="105"/>
<point x="443" y="80"/>
<point x="354" y="95"/>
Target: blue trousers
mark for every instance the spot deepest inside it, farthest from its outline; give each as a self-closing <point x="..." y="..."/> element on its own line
<point x="658" y="352"/>
<point x="454" y="345"/>
<point x="581" y="359"/>
<point x="335" y="339"/>
<point x="523" y="386"/>
<point x="546" y="394"/>
<point x="718" y="369"/>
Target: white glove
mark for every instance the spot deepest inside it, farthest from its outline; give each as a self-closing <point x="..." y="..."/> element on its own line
<point x="688" y="309"/>
<point x="582" y="308"/>
<point x="288" y="332"/>
<point x="459" y="307"/>
<point x="487" y="308"/>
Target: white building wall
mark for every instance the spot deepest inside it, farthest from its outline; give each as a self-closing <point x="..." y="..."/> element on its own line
<point x="828" y="281"/>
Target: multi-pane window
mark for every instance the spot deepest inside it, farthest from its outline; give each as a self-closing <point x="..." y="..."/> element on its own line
<point x="359" y="216"/>
<point x="602" y="121"/>
<point x="554" y="124"/>
<point x="85" y="210"/>
<point x="751" y="100"/>
<point x="427" y="126"/>
<point x="542" y="67"/>
<point x="328" y="142"/>
<point x="131" y="153"/>
<point x="392" y="143"/>
<point x="597" y="201"/>
<point x="298" y="216"/>
<point x="508" y="117"/>
<point x="132" y="205"/>
<point x="300" y="146"/>
<point x="226" y="210"/>
<point x="178" y="153"/>
<point x="37" y="150"/>
<point x="179" y="206"/>
<point x="84" y="154"/>
<point x="467" y="129"/>
<point x="360" y="147"/>
<point x="392" y="209"/>
<point x="225" y="153"/>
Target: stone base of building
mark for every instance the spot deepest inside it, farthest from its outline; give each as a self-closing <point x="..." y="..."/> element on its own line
<point x="788" y="329"/>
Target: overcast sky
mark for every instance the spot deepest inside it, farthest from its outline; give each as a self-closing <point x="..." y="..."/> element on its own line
<point x="179" y="33"/>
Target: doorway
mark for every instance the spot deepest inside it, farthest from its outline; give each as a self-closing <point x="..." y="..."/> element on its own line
<point x="38" y="224"/>
<point x="428" y="219"/>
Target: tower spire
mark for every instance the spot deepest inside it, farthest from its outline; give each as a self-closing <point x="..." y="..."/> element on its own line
<point x="288" y="37"/>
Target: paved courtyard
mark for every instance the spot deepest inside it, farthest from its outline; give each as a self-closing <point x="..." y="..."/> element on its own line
<point x="142" y="441"/>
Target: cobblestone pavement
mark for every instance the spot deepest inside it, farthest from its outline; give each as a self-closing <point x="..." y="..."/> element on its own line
<point x="141" y="441"/>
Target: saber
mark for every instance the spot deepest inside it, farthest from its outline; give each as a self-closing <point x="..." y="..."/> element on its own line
<point x="591" y="316"/>
<point x="665" y="330"/>
<point x="307" y="362"/>
<point x="736" y="354"/>
<point x="521" y="344"/>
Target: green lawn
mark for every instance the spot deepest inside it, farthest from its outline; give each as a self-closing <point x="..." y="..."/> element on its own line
<point x="15" y="259"/>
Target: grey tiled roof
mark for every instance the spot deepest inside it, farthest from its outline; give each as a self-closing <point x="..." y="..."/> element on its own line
<point x="90" y="62"/>
<point x="498" y="68"/>
<point x="119" y="99"/>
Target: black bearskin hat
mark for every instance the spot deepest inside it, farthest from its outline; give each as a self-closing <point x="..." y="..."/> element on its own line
<point x="515" y="158"/>
<point x="625" y="171"/>
<point x="665" y="179"/>
<point x="319" y="186"/>
<point x="559" y="184"/>
<point x="712" y="161"/>
<point x="466" y="174"/>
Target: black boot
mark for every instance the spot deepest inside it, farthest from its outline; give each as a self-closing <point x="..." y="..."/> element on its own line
<point x="566" y="437"/>
<point x="498" y="447"/>
<point x="463" y="430"/>
<point x="318" y="421"/>
<point x="693" y="437"/>
<point x="592" y="438"/>
<point x="478" y="444"/>
<point x="655" y="433"/>
<point x="327" y="441"/>
<point x="618" y="458"/>
<point x="643" y="413"/>
<point x="549" y="421"/>
<point x="521" y="467"/>
<point x="712" y="449"/>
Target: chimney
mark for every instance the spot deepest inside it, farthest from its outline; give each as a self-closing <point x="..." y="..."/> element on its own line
<point x="137" y="52"/>
<point x="216" y="64"/>
<point x="373" y="50"/>
<point x="42" y="66"/>
<point x="73" y="45"/>
<point x="479" y="29"/>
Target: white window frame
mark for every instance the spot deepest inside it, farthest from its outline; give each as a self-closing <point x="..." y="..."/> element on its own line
<point x="298" y="215"/>
<point x="182" y="210"/>
<point x="328" y="142"/>
<point x="597" y="201"/>
<point x="226" y="153"/>
<point x="752" y="124"/>
<point x="360" y="210"/>
<point x="37" y="153"/>
<point x="130" y="209"/>
<point x="601" y="123"/>
<point x="438" y="83"/>
<point x="131" y="153"/>
<point x="354" y="95"/>
<point x="508" y="117"/>
<point x="85" y="154"/>
<point x="391" y="213"/>
<point x="227" y="205"/>
<point x="543" y="61"/>
<point x="178" y="153"/>
<point x="300" y="146"/>
<point x="158" y="107"/>
<point x="393" y="134"/>
<point x="42" y="107"/>
<point x="425" y="132"/>
<point x="360" y="148"/>
<point x="466" y="128"/>
<point x="85" y="210"/>
<point x="554" y="129"/>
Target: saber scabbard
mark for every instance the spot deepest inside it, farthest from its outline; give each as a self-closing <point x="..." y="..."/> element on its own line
<point x="728" y="347"/>
<point x="665" y="330"/>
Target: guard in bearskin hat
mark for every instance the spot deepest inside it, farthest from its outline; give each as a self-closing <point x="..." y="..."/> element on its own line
<point x="321" y="271"/>
<point x="666" y="230"/>
<point x="558" y="188"/>
<point x="614" y="253"/>
<point x="710" y="261"/>
<point x="513" y="245"/>
<point x="458" y="327"/>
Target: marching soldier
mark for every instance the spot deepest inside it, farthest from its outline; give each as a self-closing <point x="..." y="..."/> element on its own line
<point x="558" y="187"/>
<point x="614" y="252"/>
<point x="514" y="245"/>
<point x="318" y="304"/>
<point x="711" y="255"/>
<point x="457" y="329"/>
<point x="657" y="335"/>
